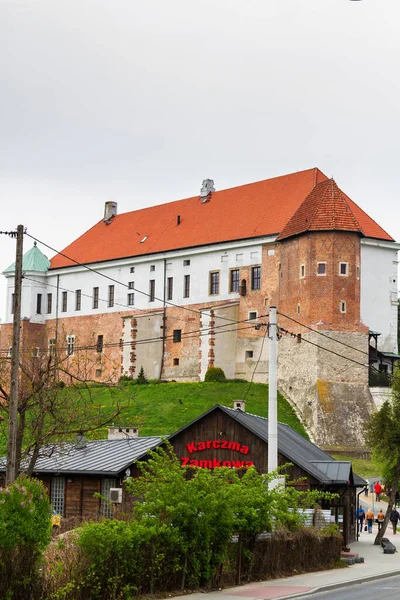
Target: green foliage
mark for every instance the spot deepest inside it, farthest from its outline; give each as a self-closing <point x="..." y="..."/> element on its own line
<point x="25" y="531"/>
<point x="141" y="378"/>
<point x="215" y="374"/>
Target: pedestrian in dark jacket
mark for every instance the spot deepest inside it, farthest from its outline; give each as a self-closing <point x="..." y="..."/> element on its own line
<point x="394" y="519"/>
<point x="360" y="514"/>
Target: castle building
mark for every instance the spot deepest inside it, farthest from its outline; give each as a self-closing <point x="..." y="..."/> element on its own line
<point x="182" y="286"/>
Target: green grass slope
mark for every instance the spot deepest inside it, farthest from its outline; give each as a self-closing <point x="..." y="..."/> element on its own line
<point x="161" y="409"/>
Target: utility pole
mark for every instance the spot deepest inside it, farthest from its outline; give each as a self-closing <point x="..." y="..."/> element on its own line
<point x="11" y="471"/>
<point x="272" y="395"/>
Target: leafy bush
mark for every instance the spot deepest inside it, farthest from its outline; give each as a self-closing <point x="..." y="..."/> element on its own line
<point x="215" y="374"/>
<point x="141" y="378"/>
<point x="25" y="531"/>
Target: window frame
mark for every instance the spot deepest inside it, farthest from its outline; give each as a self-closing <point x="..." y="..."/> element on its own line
<point x="78" y="299"/>
<point x="170" y="288"/>
<point x="64" y="302"/>
<point x="176" y="362"/>
<point x="345" y="264"/>
<point x="39" y="298"/>
<point x="186" y="285"/>
<point x="70" y="348"/>
<point x="49" y="304"/>
<point x="248" y="355"/>
<point x="343" y="307"/>
<point x="100" y="343"/>
<point x="321" y="262"/>
<point x="256" y="278"/>
<point x="252" y="312"/>
<point x="213" y="284"/>
<point x="177" y="336"/>
<point x="95" y="303"/>
<point x="302" y="271"/>
<point x="111" y="296"/>
<point x="152" y="290"/>
<point x="131" y="299"/>
<point x="186" y="262"/>
<point x="234" y="286"/>
<point x="57" y="494"/>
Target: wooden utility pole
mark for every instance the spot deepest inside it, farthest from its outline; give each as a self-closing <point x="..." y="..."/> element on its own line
<point x="11" y="471"/>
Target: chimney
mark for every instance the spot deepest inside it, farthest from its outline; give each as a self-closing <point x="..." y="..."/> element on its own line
<point x="122" y="433"/>
<point x="206" y="189"/>
<point x="239" y="405"/>
<point x="110" y="210"/>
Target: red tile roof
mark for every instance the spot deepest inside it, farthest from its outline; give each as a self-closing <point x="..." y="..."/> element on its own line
<point x="253" y="210"/>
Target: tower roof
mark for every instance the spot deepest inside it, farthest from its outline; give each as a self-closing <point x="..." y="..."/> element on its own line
<point x="33" y="260"/>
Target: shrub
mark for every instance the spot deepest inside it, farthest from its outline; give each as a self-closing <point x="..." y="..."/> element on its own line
<point x="141" y="378"/>
<point x="215" y="374"/>
<point x="25" y="531"/>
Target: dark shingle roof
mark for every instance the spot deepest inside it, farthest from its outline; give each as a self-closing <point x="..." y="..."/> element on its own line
<point x="100" y="457"/>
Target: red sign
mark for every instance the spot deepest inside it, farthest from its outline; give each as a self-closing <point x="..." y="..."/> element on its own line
<point x="215" y="463"/>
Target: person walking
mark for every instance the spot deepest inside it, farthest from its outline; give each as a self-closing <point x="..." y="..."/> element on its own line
<point x="370" y="519"/>
<point x="380" y="518"/>
<point x="394" y="518"/>
<point x="378" y="491"/>
<point x="360" y="515"/>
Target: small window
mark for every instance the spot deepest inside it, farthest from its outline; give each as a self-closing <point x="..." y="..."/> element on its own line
<point x="132" y="270"/>
<point x="152" y="290"/>
<point x="343" y="269"/>
<point x="70" y="345"/>
<point x="52" y="346"/>
<point x="186" y="262"/>
<point x="234" y="280"/>
<point x="131" y="299"/>
<point x="321" y="268"/>
<point x="170" y="288"/>
<point x="64" y="305"/>
<point x="342" y="306"/>
<point x="302" y="271"/>
<point x="214" y="282"/>
<point x="131" y="285"/>
<point x="271" y="252"/>
<point x="177" y="335"/>
<point x="99" y="345"/>
<point x="255" y="278"/>
<point x="98" y="372"/>
<point x="78" y="299"/>
<point x="95" y="297"/>
<point x="253" y="315"/>
<point x="248" y="354"/>
<point x="298" y="309"/>
<point x="358" y="271"/>
<point x="152" y="267"/>
<point x="111" y="295"/>
<point x="39" y="304"/>
<point x="57" y="494"/>
<point x="176" y="362"/>
<point x="186" y="286"/>
<point x="49" y="303"/>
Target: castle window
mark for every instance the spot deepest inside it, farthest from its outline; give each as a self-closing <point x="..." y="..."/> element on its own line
<point x="152" y="267"/>
<point x="298" y="309"/>
<point x="248" y="354"/>
<point x="358" y="271"/>
<point x="255" y="278"/>
<point x="152" y="293"/>
<point x="131" y="299"/>
<point x="342" y="306"/>
<point x="170" y="287"/>
<point x="214" y="283"/>
<point x="253" y="315"/>
<point x="234" y="280"/>
<point x="321" y="268"/>
<point x="38" y="304"/>
<point x="52" y="346"/>
<point x="98" y="372"/>
<point x="99" y="345"/>
<point x="78" y="299"/>
<point x="49" y="303"/>
<point x="343" y="269"/>
<point x="132" y="270"/>
<point x="302" y="271"/>
<point x="64" y="305"/>
<point x="131" y="285"/>
<point x="70" y="345"/>
<point x="186" y="286"/>
<point x="176" y="362"/>
<point x="95" y="297"/>
<point x="36" y="352"/>
<point x="111" y="295"/>
<point x="177" y="335"/>
<point x="186" y="262"/>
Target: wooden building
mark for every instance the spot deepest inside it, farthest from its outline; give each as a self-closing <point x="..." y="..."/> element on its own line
<point x="220" y="437"/>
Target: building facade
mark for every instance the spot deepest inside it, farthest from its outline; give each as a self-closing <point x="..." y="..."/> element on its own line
<point x="183" y="286"/>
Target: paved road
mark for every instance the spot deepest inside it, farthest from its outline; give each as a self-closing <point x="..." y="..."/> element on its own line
<point x="386" y="589"/>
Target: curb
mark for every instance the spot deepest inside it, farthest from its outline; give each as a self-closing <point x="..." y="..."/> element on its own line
<point x="342" y="584"/>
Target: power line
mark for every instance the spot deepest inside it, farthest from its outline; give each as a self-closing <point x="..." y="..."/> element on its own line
<point x="258" y="360"/>
<point x="323" y="334"/>
<point x="124" y="284"/>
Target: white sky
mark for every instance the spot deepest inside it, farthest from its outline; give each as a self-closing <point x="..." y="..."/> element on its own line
<point x="138" y="102"/>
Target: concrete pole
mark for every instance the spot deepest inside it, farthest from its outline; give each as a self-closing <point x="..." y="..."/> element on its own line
<point x="272" y="394"/>
<point x="11" y="470"/>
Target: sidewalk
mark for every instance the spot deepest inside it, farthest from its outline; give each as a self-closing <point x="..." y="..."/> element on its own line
<point x="376" y="565"/>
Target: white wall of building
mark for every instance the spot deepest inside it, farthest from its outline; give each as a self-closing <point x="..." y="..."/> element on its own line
<point x="379" y="290"/>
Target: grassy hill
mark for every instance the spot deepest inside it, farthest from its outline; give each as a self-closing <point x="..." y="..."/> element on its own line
<point x="161" y="409"/>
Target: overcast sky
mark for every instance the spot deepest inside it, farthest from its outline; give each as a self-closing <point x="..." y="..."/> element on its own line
<point x="138" y="102"/>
